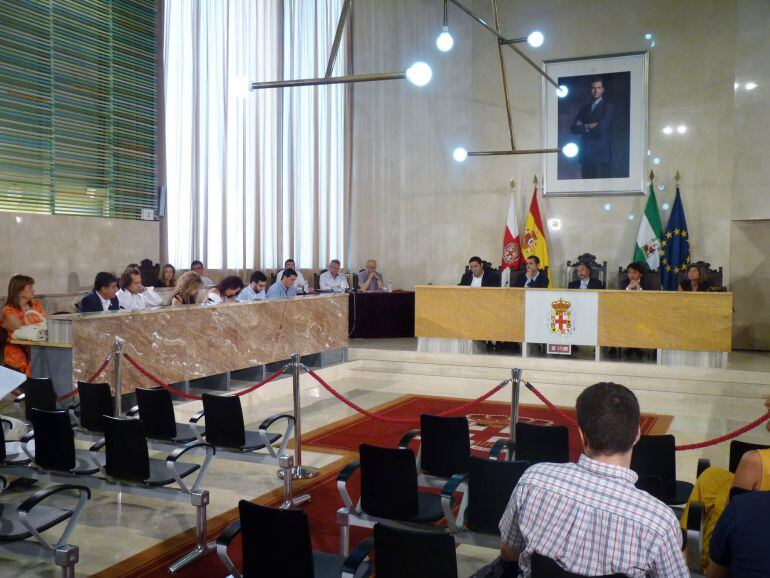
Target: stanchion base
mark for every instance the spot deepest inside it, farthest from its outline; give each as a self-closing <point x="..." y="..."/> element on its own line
<point x="301" y="473"/>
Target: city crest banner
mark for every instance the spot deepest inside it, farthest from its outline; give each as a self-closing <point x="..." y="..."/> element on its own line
<point x="561" y="316"/>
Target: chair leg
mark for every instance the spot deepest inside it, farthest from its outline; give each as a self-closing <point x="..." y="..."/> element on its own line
<point x="199" y="499"/>
<point x="66" y="556"/>
<point x="343" y="519"/>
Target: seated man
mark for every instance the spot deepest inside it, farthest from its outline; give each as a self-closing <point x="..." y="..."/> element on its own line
<point x="331" y="280"/>
<point x="299" y="284"/>
<point x="588" y="516"/>
<point x="370" y="279"/>
<point x="584" y="280"/>
<point x="197" y="266"/>
<point x="635" y="279"/>
<point x="533" y="276"/>
<point x="133" y="296"/>
<point x="255" y="290"/>
<point x="478" y="276"/>
<point x="738" y="546"/>
<point x="284" y="288"/>
<point x="102" y="298"/>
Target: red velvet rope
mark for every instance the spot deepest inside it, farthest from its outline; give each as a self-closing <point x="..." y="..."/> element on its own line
<point x="89" y="380"/>
<point x="682" y="448"/>
<point x="173" y="390"/>
<point x="384" y="418"/>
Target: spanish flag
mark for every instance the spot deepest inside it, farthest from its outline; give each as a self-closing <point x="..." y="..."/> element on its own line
<point x="534" y="242"/>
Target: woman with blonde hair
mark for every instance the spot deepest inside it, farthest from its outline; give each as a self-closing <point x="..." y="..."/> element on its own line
<point x="187" y="288"/>
<point x="21" y="308"/>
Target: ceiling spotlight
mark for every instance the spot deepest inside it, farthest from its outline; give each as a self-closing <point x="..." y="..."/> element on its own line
<point x="631" y="216"/>
<point x="535" y="39"/>
<point x="751" y="85"/>
<point x="665" y="206"/>
<point x="737" y="85"/>
<point x="656" y="161"/>
<point x="419" y="74"/>
<point x="681" y="129"/>
<point x="667" y="130"/>
<point x="562" y="91"/>
<point x="460" y="154"/>
<point x="661" y="187"/>
<point x="607" y="206"/>
<point x="444" y="42"/>
<point x="554" y="224"/>
<point x="648" y="36"/>
<point x="19" y="219"/>
<point x="570" y="150"/>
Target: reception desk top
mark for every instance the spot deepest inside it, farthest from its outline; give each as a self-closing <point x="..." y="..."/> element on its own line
<point x="644" y="319"/>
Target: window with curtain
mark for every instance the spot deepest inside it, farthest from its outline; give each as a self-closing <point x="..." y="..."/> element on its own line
<point x="256" y="177"/>
<point x="78" y="107"/>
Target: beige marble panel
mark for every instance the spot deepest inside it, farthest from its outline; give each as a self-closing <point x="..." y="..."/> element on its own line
<point x="179" y="343"/>
<point x="750" y="282"/>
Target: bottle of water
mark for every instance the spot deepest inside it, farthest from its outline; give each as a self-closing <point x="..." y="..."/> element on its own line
<point x="390" y="286"/>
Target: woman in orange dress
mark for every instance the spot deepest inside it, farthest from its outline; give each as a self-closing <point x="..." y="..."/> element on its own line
<point x="21" y="300"/>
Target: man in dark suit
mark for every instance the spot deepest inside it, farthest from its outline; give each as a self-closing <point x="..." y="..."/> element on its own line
<point x="533" y="276"/>
<point x="102" y="298"/>
<point x="594" y="123"/>
<point x="480" y="276"/>
<point x="584" y="280"/>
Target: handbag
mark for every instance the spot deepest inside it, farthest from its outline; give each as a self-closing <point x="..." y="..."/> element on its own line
<point x="33" y="331"/>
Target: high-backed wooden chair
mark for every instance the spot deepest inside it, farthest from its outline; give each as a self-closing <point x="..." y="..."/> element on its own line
<point x="597" y="271"/>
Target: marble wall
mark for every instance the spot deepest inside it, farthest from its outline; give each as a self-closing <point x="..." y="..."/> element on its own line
<point x="423" y="215"/>
<point x="64" y="253"/>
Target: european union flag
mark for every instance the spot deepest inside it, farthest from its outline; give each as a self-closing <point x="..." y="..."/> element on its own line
<point x="675" y="247"/>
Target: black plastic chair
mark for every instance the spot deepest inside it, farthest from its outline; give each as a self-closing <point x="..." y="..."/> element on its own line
<point x="37" y="393"/>
<point x="6" y="458"/>
<point x="389" y="492"/>
<point x="489" y="487"/>
<point x="445" y="447"/>
<point x="225" y="428"/>
<point x="537" y="443"/>
<point x="55" y="444"/>
<point x="95" y="401"/>
<point x="406" y="553"/>
<point x="276" y="542"/>
<point x="543" y="567"/>
<point x="156" y="411"/>
<point x="655" y="456"/>
<point x="738" y="448"/>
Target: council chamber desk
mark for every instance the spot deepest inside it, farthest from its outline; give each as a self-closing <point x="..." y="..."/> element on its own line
<point x="381" y="314"/>
<point x="179" y="344"/>
<point x="685" y="328"/>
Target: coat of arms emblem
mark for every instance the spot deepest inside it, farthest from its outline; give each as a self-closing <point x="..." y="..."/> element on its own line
<point x="530" y="240"/>
<point x="561" y="320"/>
<point x="511" y="253"/>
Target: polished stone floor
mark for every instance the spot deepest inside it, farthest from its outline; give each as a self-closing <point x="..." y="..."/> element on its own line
<point x="704" y="403"/>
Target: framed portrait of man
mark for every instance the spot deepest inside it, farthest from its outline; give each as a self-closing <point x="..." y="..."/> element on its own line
<point x="603" y="119"/>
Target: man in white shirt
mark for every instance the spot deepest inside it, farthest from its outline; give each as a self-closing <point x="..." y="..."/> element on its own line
<point x="300" y="284"/>
<point x="331" y="280"/>
<point x="133" y="296"/>
<point x="197" y="266"/>
<point x="255" y="290"/>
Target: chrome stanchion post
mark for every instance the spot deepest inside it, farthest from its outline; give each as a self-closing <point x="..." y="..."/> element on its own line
<point x="65" y="557"/>
<point x="300" y="472"/>
<point x="515" y="385"/>
<point x="118" y="390"/>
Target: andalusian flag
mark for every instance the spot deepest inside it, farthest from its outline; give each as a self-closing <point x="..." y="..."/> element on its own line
<point x="534" y="242"/>
<point x="650" y="231"/>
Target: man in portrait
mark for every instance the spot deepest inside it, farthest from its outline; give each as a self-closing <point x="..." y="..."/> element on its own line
<point x="594" y="125"/>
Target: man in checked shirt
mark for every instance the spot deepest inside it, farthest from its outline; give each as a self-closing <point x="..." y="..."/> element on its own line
<point x="589" y="517"/>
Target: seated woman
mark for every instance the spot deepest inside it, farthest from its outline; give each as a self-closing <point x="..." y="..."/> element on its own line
<point x="635" y="280"/>
<point x="21" y="308"/>
<point x="167" y="276"/>
<point x="696" y="279"/>
<point x="713" y="486"/>
<point x="187" y="289"/>
<point x="225" y="291"/>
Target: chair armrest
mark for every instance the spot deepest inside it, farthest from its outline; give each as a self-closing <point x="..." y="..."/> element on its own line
<point x="25" y="439"/>
<point x="342" y="482"/>
<point x="4" y="421"/>
<point x="20" y="398"/>
<point x="179" y="452"/>
<point x="3" y="483"/>
<point x="133" y="411"/>
<point x="96" y="446"/>
<point x="224" y="540"/>
<point x="197" y="417"/>
<point x="447" y="495"/>
<point x="93" y="451"/>
<point x="72" y="408"/>
<point x="356" y="558"/>
<point x="403" y="443"/>
<point x="703" y="465"/>
<point x="696" y="514"/>
<point x="83" y="494"/>
<point x="284" y="438"/>
<point x="497" y="449"/>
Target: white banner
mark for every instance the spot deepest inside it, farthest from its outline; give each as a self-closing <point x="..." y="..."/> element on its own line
<point x="561" y="316"/>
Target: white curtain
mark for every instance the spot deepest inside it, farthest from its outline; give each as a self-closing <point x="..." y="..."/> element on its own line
<point x="253" y="177"/>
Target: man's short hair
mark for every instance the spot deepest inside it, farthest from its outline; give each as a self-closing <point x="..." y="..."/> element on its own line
<point x="584" y="264"/>
<point x="536" y="258"/>
<point x="104" y="279"/>
<point x="126" y="278"/>
<point x="335" y="262"/>
<point x="608" y="416"/>
<point x="289" y="273"/>
<point x="289" y="260"/>
<point x="196" y="262"/>
<point x="599" y="79"/>
<point x="477" y="259"/>
<point x="638" y="267"/>
<point x="257" y="276"/>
